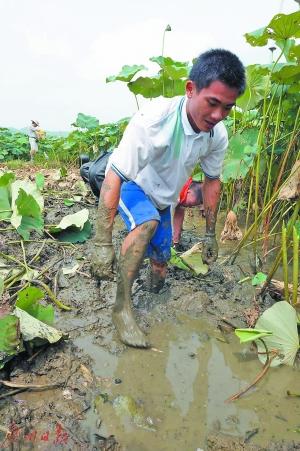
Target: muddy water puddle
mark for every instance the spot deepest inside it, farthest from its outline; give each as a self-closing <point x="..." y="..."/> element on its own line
<point x="172" y="398"/>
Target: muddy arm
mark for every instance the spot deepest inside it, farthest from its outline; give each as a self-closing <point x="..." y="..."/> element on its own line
<point x="211" y="195"/>
<point x="103" y="256"/>
<point x="108" y="204"/>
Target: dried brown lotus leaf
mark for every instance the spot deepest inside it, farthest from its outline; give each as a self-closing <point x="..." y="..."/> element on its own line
<point x="231" y="229"/>
<point x="291" y="189"/>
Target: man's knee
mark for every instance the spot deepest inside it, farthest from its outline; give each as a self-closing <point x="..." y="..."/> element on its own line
<point x="149" y="227"/>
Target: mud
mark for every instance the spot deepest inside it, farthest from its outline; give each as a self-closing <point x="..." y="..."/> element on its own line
<point x="94" y="369"/>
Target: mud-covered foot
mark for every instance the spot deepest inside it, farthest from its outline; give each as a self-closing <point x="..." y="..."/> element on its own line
<point x="154" y="282"/>
<point x="128" y="330"/>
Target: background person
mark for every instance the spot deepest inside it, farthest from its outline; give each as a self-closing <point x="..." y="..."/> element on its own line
<point x="33" y="130"/>
<point x="160" y="147"/>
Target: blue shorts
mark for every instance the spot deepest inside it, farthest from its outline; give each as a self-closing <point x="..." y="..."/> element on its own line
<point x="135" y="208"/>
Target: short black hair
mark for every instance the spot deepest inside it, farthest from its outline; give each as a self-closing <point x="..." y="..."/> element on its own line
<point x="221" y="65"/>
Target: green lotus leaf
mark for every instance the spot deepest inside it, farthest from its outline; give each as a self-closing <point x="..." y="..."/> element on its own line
<point x="240" y="155"/>
<point x="151" y="87"/>
<point x="193" y="259"/>
<point x="26" y="201"/>
<point x="69" y="202"/>
<point x="148" y="87"/>
<point x="10" y="343"/>
<point x="246" y="335"/>
<point x="74" y="234"/>
<point x="126" y="74"/>
<point x="7" y="178"/>
<point x="258" y="86"/>
<point x="172" y="69"/>
<point x="287" y="74"/>
<point x="40" y="181"/>
<point x="285" y="26"/>
<point x="295" y="52"/>
<point x="287" y="45"/>
<point x="5" y="195"/>
<point x="175" y="260"/>
<point x="258" y="38"/>
<point x="294" y="88"/>
<point x="281" y="320"/>
<point x="259" y="278"/>
<point x="26" y="215"/>
<point x="75" y="220"/>
<point x="29" y="300"/>
<point x="5" y="206"/>
<point x="85" y="121"/>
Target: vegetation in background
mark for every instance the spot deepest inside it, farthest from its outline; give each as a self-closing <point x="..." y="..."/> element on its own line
<point x="88" y="137"/>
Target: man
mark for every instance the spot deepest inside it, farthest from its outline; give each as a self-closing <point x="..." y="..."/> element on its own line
<point x="159" y="149"/>
<point x="190" y="196"/>
<point x="33" y="138"/>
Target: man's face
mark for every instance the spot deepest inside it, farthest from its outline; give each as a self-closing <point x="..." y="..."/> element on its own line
<point x="207" y="107"/>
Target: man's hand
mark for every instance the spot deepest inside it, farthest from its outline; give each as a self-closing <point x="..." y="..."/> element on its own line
<point x="103" y="259"/>
<point x="210" y="248"/>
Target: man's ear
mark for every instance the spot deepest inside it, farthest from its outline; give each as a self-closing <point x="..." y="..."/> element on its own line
<point x="190" y="88"/>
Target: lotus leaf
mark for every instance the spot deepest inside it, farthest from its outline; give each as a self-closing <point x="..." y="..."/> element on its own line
<point x="285" y="26"/>
<point x="27" y="205"/>
<point x="9" y="338"/>
<point x="40" y="181"/>
<point x="85" y="121"/>
<point x="240" y="155"/>
<point x="257" y="87"/>
<point x="257" y="38"/>
<point x="246" y="335"/>
<point x="75" y="220"/>
<point x="28" y="300"/>
<point x="127" y="73"/>
<point x="173" y="69"/>
<point x="259" y="278"/>
<point x="32" y="328"/>
<point x="193" y="259"/>
<point x="175" y="260"/>
<point x="281" y="319"/>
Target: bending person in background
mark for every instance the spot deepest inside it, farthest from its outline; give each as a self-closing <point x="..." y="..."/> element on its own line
<point x="160" y="148"/>
<point x="33" y="130"/>
<point x="190" y="196"/>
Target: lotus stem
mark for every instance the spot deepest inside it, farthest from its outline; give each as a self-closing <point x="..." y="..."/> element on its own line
<point x="285" y="264"/>
<point x="51" y="295"/>
<point x="279" y="255"/>
<point x="295" y="265"/>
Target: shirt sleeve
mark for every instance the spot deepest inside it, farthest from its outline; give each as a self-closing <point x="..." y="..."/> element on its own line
<point x="133" y="152"/>
<point x="212" y="162"/>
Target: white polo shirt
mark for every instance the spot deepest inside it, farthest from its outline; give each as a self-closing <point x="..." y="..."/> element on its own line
<point x="159" y="150"/>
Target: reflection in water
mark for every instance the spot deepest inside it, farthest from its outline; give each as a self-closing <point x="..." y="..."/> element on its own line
<point x="221" y="384"/>
<point x="105" y="363"/>
<point x="180" y="392"/>
<point x="182" y="368"/>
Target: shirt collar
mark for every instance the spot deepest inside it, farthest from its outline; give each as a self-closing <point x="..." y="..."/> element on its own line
<point x="188" y="130"/>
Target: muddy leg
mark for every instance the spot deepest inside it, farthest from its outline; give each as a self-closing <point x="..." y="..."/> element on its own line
<point x="177" y="223"/>
<point x="156" y="276"/>
<point x="131" y="256"/>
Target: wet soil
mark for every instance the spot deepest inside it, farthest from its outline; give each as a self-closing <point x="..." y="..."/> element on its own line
<point x="174" y="395"/>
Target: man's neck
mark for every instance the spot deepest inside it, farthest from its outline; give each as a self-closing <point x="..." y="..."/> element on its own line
<point x="192" y="123"/>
